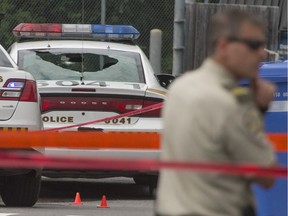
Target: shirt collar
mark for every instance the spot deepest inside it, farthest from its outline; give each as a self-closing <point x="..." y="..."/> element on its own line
<point x="219" y="72"/>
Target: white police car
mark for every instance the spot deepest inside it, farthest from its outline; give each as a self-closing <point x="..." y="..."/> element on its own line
<point x="19" y="111"/>
<point x="87" y="72"/>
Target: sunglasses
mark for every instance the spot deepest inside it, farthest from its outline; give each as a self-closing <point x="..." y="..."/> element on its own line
<point x="251" y="43"/>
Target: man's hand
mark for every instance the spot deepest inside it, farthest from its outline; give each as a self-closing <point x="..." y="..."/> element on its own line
<point x="264" y="92"/>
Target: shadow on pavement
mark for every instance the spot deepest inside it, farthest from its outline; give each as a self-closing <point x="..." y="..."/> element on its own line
<point x="113" y="188"/>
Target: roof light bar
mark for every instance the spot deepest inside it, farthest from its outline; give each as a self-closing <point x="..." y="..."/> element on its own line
<point x="115" y="31"/>
<point x="75" y="31"/>
<point x="32" y="30"/>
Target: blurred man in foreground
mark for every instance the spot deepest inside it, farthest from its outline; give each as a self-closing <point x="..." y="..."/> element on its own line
<point x="208" y="117"/>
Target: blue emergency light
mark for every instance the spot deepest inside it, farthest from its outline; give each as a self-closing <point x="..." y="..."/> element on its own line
<point x="75" y="31"/>
<point x="15" y="85"/>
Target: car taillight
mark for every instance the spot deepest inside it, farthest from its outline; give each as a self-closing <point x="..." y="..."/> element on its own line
<point x="98" y="103"/>
<point x="102" y="104"/>
<point x="154" y="113"/>
<point x="29" y="92"/>
<point x="19" y="90"/>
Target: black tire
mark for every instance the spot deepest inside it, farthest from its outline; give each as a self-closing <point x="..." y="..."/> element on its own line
<point x="20" y="191"/>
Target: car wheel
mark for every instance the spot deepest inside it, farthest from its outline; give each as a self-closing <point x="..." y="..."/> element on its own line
<point x="21" y="191"/>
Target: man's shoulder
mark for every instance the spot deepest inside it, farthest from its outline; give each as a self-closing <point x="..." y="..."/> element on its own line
<point x="197" y="85"/>
<point x="188" y="80"/>
<point x="192" y="74"/>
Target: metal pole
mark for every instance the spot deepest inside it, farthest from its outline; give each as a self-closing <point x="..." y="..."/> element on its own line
<point x="103" y="22"/>
<point x="1" y="17"/>
<point x="178" y="37"/>
<point x="155" y="50"/>
<point x="103" y="12"/>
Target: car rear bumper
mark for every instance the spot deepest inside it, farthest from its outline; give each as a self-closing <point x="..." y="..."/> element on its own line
<point x="142" y="125"/>
<point x="33" y="171"/>
<point x="96" y="174"/>
<point x="25" y="118"/>
<point x="106" y="153"/>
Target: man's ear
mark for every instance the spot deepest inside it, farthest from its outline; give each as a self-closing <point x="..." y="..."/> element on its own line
<point x="221" y="44"/>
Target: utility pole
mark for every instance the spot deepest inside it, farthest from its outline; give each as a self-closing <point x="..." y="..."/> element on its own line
<point x="103" y="12"/>
<point x="178" y="37"/>
<point x="155" y="50"/>
<point x="103" y="22"/>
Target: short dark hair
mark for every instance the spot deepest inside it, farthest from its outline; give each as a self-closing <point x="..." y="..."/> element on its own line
<point x="227" y="24"/>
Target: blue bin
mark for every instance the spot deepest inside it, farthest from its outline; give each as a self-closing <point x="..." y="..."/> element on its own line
<point x="273" y="202"/>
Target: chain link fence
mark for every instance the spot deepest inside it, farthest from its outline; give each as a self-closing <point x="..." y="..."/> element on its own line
<point x="144" y="15"/>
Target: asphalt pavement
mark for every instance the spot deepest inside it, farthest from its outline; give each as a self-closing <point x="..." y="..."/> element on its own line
<point x="123" y="196"/>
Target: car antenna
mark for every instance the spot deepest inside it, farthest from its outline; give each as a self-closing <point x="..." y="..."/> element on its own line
<point x="82" y="68"/>
<point x="82" y="76"/>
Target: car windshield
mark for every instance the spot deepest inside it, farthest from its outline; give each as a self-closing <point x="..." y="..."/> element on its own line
<point x="91" y="64"/>
<point x="4" y="61"/>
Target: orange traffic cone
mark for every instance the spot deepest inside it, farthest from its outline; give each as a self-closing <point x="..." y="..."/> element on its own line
<point x="77" y="200"/>
<point x="103" y="203"/>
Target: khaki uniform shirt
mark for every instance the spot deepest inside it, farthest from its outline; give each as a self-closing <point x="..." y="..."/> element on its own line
<point x="208" y="118"/>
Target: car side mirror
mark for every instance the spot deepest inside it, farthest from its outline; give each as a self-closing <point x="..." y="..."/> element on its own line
<point x="165" y="79"/>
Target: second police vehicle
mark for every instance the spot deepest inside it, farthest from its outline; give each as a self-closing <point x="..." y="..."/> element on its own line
<point x="87" y="72"/>
<point x="19" y="111"/>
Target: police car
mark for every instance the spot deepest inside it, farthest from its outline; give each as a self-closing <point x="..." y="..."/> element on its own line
<point x="19" y="111"/>
<point x="87" y="72"/>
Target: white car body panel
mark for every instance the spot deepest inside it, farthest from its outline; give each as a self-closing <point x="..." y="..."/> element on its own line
<point x="15" y="113"/>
